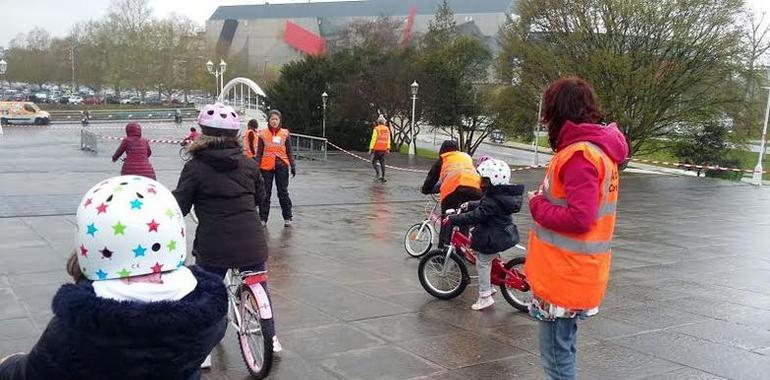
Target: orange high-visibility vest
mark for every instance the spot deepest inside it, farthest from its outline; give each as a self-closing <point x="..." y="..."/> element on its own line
<point x="571" y="270"/>
<point x="275" y="146"/>
<point x="247" y="150"/>
<point x="382" y="144"/>
<point x="457" y="170"/>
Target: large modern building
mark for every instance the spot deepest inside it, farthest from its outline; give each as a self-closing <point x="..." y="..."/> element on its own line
<point x="274" y="34"/>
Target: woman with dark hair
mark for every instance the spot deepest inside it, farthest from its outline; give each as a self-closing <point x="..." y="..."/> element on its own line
<point x="568" y="258"/>
<point x="457" y="179"/>
<point x="275" y="161"/>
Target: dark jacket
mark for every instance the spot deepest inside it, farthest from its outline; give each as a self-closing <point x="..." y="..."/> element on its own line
<point x="495" y="231"/>
<point x="137" y="150"/>
<point x="225" y="187"/>
<point x="97" y="338"/>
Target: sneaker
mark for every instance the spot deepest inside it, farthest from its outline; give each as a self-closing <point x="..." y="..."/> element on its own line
<point x="383" y="179"/>
<point x="264" y="223"/>
<point x="276" y="345"/>
<point x="287" y="223"/>
<point x="483" y="303"/>
<point x="206" y="363"/>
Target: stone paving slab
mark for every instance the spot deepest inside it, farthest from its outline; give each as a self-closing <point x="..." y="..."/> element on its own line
<point x="688" y="296"/>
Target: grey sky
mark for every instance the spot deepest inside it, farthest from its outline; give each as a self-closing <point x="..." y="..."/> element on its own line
<point x="58" y="16"/>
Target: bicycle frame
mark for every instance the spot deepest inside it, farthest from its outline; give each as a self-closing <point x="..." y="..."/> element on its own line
<point x="500" y="276"/>
<point x="431" y="217"/>
<point x="255" y="281"/>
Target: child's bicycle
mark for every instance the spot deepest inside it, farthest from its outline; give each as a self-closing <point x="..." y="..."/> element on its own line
<point x="419" y="237"/>
<point x="248" y="312"/>
<point x="444" y="274"/>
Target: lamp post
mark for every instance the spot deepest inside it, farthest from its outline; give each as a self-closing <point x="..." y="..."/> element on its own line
<point x="757" y="177"/>
<point x="3" y="68"/>
<point x="324" y="96"/>
<point x="537" y="130"/>
<point x="413" y="89"/>
<point x="219" y="76"/>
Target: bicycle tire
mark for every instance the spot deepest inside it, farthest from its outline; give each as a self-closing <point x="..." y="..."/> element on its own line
<point x="506" y="292"/>
<point x="414" y="252"/>
<point x="436" y="258"/>
<point x="247" y="352"/>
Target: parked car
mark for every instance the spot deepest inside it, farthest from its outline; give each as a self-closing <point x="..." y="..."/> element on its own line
<point x="131" y="100"/>
<point x="75" y="99"/>
<point x="111" y="99"/>
<point x="23" y="113"/>
<point x="497" y="137"/>
<point x="93" y="100"/>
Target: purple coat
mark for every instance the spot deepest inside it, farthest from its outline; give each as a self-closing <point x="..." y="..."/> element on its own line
<point x="137" y="150"/>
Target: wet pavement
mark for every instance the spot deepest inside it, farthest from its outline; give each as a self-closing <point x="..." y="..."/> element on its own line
<point x="689" y="294"/>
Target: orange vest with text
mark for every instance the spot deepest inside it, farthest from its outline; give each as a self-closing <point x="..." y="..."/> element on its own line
<point x="571" y="270"/>
<point x="249" y="148"/>
<point x="275" y="147"/>
<point x="457" y="170"/>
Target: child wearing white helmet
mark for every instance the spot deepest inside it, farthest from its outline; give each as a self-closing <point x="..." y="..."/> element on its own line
<point x="135" y="311"/>
<point x="495" y="231"/>
<point x="225" y="187"/>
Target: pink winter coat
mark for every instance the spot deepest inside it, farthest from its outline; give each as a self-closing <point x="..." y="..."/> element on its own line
<point x="137" y="150"/>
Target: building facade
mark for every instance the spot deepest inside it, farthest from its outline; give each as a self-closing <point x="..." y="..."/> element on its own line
<point x="275" y="34"/>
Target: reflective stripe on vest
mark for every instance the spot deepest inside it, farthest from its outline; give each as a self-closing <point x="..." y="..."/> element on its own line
<point x="383" y="138"/>
<point x="571" y="270"/>
<point x="457" y="170"/>
<point x="274" y="149"/>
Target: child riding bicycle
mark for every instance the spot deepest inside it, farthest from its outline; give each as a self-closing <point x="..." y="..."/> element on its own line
<point x="494" y="231"/>
<point x="225" y="188"/>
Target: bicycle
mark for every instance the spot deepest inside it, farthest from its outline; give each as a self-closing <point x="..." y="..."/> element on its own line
<point x="248" y="312"/>
<point x="444" y="274"/>
<point x="418" y="239"/>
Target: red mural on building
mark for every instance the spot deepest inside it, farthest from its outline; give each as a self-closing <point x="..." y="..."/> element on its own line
<point x="303" y="39"/>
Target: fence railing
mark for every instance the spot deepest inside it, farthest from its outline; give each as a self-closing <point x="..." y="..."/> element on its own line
<point x="88" y="140"/>
<point x="311" y="147"/>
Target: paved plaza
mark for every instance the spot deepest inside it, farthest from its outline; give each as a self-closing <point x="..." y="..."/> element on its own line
<point x="689" y="294"/>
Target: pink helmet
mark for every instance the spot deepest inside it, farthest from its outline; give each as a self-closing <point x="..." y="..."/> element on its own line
<point x="219" y="116"/>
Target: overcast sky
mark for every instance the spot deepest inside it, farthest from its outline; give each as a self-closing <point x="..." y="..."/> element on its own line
<point x="58" y="16"/>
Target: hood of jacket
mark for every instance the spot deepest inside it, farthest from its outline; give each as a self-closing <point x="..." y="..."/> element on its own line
<point x="133" y="130"/>
<point x="607" y="137"/>
<point x="507" y="196"/>
<point x="221" y="158"/>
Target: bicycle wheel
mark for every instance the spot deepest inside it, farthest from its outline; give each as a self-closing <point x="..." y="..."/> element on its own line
<point x="518" y="299"/>
<point x="438" y="285"/>
<point x="418" y="243"/>
<point x="256" y="348"/>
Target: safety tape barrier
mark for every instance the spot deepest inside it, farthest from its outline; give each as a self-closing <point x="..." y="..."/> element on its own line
<point x="158" y="141"/>
<point x="693" y="166"/>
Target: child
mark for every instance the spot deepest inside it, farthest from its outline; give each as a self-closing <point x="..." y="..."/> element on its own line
<point x="495" y="231"/>
<point x="191" y="137"/>
<point x="135" y="311"/>
<point x="225" y="187"/>
<point x="137" y="150"/>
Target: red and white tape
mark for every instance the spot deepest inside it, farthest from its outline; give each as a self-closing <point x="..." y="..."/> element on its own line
<point x="693" y="166"/>
<point x="158" y="141"/>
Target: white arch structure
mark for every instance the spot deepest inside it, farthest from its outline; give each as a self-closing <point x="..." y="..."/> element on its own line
<point x="243" y="94"/>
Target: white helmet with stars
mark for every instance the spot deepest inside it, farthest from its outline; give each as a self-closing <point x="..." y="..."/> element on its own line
<point x="129" y="226"/>
<point x="497" y="171"/>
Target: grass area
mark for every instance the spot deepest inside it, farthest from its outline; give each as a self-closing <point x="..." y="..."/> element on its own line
<point x="421" y="152"/>
<point x="542" y="141"/>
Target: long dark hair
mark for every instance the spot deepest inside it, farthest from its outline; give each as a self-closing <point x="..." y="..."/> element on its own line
<point x="572" y="99"/>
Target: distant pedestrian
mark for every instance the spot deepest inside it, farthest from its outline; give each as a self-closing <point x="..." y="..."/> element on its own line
<point x="250" y="139"/>
<point x="134" y="310"/>
<point x="379" y="146"/>
<point x="568" y="255"/>
<point x="191" y="137"/>
<point x="137" y="150"/>
<point x="275" y="162"/>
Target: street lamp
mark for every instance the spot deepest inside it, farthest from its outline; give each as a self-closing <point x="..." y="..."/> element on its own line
<point x="219" y="75"/>
<point x="537" y="130"/>
<point x="757" y="177"/>
<point x="324" y="96"/>
<point x="3" y="67"/>
<point x="413" y="89"/>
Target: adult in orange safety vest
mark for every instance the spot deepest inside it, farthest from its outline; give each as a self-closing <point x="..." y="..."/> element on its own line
<point x="275" y="161"/>
<point x="379" y="146"/>
<point x="250" y="139"/>
<point x="568" y="258"/>
<point x="454" y="177"/>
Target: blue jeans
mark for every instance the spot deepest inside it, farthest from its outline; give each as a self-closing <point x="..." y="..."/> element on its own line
<point x="219" y="271"/>
<point x="557" y="348"/>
